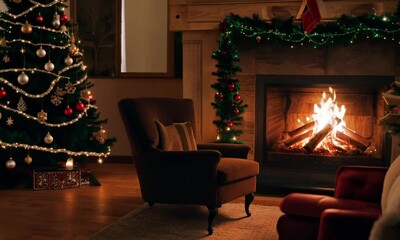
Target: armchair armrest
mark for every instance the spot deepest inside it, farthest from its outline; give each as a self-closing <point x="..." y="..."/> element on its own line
<point x="227" y="149"/>
<point x="360" y="183"/>
<point x="346" y="224"/>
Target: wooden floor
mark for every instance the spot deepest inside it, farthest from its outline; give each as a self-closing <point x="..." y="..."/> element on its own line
<point x="77" y="213"/>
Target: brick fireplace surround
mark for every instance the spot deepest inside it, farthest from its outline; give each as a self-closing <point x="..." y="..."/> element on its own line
<point x="198" y="20"/>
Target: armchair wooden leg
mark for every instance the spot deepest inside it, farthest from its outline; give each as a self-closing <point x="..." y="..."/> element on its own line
<point x="248" y="199"/>
<point x="212" y="212"/>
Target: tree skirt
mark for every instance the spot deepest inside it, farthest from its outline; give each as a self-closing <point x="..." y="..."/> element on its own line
<point x="165" y="221"/>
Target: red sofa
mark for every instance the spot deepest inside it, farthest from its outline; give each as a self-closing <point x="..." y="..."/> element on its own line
<point x="349" y="214"/>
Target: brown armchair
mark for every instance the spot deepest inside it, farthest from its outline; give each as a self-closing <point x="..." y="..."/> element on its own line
<point x="211" y="175"/>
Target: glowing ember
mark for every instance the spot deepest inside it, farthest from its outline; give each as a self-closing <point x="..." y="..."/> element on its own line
<point x="326" y="130"/>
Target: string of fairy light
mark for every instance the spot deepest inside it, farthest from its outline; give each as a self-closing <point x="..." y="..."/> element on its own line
<point x="61" y="30"/>
<point x="52" y="83"/>
<point x="36" y="5"/>
<point x="67" y="42"/>
<point x="55" y="150"/>
<point x="345" y="30"/>
<point x="72" y="121"/>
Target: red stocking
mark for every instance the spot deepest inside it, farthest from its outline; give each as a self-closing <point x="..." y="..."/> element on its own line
<point x="311" y="16"/>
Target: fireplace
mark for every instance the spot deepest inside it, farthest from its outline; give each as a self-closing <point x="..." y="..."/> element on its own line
<point x="293" y="152"/>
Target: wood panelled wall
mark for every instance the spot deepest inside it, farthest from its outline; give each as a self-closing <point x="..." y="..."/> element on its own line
<point x="198" y="21"/>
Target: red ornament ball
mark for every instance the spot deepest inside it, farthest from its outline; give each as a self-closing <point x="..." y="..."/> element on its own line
<point x="39" y="18"/>
<point x="220" y="96"/>
<point x="68" y="111"/>
<point x="236" y="111"/>
<point x="237" y="97"/>
<point x="80" y="107"/>
<point x="231" y="87"/>
<point x="230" y="124"/>
<point x="3" y="93"/>
<point x="64" y="18"/>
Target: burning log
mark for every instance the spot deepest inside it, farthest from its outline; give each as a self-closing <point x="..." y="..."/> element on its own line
<point x="314" y="141"/>
<point x="336" y="147"/>
<point x="304" y="128"/>
<point x="291" y="141"/>
<point x="354" y="139"/>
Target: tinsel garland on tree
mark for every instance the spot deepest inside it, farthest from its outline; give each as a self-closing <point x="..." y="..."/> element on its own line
<point x="228" y="103"/>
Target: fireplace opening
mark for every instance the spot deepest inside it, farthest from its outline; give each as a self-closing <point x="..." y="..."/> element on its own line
<point x="308" y="126"/>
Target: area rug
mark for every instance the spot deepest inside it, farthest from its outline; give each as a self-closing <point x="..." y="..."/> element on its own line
<point x="175" y="222"/>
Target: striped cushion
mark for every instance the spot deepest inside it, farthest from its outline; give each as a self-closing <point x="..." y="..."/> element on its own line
<point x="177" y="137"/>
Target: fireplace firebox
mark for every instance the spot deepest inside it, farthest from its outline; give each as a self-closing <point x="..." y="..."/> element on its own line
<point x="308" y="126"/>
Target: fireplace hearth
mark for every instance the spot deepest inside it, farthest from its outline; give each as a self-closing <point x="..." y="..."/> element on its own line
<point x="284" y="106"/>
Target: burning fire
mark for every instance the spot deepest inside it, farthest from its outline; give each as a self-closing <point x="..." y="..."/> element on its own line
<point x="326" y="130"/>
<point x="328" y="113"/>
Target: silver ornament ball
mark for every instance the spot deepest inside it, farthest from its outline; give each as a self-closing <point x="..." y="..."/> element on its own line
<point x="23" y="78"/>
<point x="56" y="20"/>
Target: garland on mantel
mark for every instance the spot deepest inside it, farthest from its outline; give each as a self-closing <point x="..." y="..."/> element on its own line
<point x="345" y="30"/>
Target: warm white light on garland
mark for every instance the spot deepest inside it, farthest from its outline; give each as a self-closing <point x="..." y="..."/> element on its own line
<point x="19" y="90"/>
<point x="38" y="27"/>
<point x="31" y="70"/>
<point x="52" y="84"/>
<point x="39" y="44"/>
<point x="55" y="150"/>
<point x="79" y="116"/>
<point x="36" y="5"/>
<point x="78" y="64"/>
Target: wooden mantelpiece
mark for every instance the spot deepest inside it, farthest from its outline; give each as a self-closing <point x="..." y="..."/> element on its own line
<point x="198" y="21"/>
<point x="188" y="15"/>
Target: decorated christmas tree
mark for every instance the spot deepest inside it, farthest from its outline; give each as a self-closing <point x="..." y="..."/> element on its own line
<point x="227" y="101"/>
<point x="47" y="110"/>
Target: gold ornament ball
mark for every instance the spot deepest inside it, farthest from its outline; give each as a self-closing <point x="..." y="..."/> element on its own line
<point x="10" y="164"/>
<point x="68" y="61"/>
<point x="41" y="52"/>
<point x="49" y="66"/>
<point x="28" y="159"/>
<point x="48" y="138"/>
<point x="26" y="28"/>
<point x="63" y="28"/>
<point x="23" y="78"/>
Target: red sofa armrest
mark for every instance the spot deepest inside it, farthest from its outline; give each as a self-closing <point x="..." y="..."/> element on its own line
<point x="341" y="224"/>
<point x="363" y="183"/>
